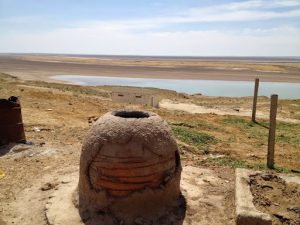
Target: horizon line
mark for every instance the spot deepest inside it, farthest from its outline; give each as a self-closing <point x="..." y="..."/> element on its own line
<point x="132" y="55"/>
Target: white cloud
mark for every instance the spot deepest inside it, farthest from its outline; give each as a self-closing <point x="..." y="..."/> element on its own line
<point x="256" y="10"/>
<point x="282" y="41"/>
<point x="239" y="11"/>
<point x="139" y="37"/>
<point x="261" y="4"/>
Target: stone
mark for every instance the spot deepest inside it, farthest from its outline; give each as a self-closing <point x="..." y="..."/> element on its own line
<point x="48" y="186"/>
<point x="246" y="213"/>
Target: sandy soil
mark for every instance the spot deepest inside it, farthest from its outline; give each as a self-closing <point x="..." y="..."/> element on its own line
<point x="234" y="111"/>
<point x="33" y="172"/>
<point x="206" y="198"/>
<point x="64" y="113"/>
<point x="32" y="67"/>
<point x="276" y="197"/>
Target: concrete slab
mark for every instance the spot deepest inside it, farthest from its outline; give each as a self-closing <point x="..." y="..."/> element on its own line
<point x="60" y="209"/>
<point x="246" y="213"/>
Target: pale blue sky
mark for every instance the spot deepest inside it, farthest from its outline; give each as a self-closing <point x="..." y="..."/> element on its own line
<point x="163" y="27"/>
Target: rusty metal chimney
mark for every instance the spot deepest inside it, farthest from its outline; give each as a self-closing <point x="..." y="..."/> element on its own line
<point x="11" y="125"/>
<point x="129" y="166"/>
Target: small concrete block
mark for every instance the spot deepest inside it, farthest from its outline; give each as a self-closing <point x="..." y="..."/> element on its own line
<point x="246" y="213"/>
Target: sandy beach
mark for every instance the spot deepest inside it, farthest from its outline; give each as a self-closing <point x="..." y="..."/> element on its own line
<point x="43" y="67"/>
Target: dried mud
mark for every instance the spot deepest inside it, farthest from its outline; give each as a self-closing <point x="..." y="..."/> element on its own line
<point x="276" y="197"/>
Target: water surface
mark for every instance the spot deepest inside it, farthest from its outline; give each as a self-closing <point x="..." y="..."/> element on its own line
<point x="205" y="87"/>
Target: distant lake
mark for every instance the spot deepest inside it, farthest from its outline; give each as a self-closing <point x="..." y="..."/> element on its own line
<point x="205" y="87"/>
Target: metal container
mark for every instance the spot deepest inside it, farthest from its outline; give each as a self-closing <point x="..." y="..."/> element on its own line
<point x="11" y="125"/>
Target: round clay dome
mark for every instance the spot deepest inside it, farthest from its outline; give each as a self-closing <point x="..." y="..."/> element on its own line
<point x="129" y="165"/>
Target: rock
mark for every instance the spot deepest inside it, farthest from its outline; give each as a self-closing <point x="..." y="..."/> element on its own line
<point x="1" y="174"/>
<point x="48" y="186"/>
<point x="20" y="148"/>
<point x="92" y="119"/>
<point x="251" y="155"/>
<point x="295" y="171"/>
<point x="29" y="143"/>
<point x="216" y="156"/>
<point x="36" y="129"/>
<point x="197" y="94"/>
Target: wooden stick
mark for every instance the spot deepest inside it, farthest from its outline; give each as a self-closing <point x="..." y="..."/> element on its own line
<point x="255" y="99"/>
<point x="272" y="130"/>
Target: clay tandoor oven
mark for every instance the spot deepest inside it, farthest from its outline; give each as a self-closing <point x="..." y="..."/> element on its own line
<point x="129" y="166"/>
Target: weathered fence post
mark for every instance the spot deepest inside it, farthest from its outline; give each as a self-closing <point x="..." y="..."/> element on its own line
<point x="255" y="99"/>
<point x="272" y="129"/>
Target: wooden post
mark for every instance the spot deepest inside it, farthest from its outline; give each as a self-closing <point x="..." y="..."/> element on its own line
<point x="255" y="99"/>
<point x="272" y="129"/>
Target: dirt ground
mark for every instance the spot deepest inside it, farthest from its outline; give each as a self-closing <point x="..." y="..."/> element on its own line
<point x="64" y="113"/>
<point x="276" y="197"/>
<point x="191" y="107"/>
<point x="42" y="67"/>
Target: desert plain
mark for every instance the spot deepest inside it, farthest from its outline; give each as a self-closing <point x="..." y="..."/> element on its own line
<point x="216" y="138"/>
